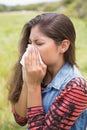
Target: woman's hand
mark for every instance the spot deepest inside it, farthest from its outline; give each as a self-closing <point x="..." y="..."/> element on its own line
<point x="34" y="70"/>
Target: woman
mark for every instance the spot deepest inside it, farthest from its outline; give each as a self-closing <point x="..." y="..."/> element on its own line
<point x="50" y="94"/>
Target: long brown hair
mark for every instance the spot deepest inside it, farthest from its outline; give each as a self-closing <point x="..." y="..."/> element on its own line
<point x="56" y="26"/>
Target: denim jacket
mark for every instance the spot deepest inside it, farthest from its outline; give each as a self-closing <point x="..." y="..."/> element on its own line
<point x="65" y="74"/>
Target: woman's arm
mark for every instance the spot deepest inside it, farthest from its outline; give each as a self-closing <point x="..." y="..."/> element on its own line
<point x="21" y="105"/>
<point x="34" y="97"/>
<point x="20" y="120"/>
<point x="66" y="108"/>
<point x="20" y="108"/>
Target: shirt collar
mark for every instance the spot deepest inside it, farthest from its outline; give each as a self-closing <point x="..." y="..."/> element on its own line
<point x="61" y="77"/>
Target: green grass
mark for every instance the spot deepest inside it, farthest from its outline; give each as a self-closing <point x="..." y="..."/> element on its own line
<point x="10" y="29"/>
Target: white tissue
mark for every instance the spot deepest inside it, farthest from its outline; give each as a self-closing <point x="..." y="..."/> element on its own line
<point x="26" y="53"/>
<point x="22" y="60"/>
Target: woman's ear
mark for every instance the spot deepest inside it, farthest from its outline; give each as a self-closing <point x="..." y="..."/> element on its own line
<point x="64" y="46"/>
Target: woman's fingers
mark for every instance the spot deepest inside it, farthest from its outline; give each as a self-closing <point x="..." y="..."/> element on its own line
<point x="34" y="55"/>
<point x="34" y="70"/>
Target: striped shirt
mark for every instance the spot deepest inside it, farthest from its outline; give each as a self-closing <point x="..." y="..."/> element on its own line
<point x="64" y="111"/>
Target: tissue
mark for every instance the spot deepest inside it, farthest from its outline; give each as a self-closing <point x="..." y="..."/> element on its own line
<point x="26" y="53"/>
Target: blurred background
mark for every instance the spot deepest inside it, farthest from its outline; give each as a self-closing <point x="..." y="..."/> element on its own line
<point x="13" y="15"/>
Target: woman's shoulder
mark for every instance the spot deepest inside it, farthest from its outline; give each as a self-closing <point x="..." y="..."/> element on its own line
<point x="78" y="83"/>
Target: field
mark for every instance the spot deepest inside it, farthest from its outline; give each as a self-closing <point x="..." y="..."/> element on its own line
<point x="10" y="29"/>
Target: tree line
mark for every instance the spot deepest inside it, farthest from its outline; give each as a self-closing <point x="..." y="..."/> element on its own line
<point x="76" y="8"/>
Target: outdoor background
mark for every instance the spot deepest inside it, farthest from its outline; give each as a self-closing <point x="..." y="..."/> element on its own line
<point x="12" y="19"/>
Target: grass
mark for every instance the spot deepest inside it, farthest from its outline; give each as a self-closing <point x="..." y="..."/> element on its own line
<point x="10" y="29"/>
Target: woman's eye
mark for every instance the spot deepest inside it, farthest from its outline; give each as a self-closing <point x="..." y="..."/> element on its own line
<point x="39" y="43"/>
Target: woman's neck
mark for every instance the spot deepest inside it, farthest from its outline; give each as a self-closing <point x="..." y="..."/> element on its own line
<point x="51" y="72"/>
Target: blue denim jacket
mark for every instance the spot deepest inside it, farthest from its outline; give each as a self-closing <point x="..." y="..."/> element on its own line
<point x="65" y="74"/>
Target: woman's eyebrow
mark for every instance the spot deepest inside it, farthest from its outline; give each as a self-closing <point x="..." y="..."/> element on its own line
<point x="36" y="40"/>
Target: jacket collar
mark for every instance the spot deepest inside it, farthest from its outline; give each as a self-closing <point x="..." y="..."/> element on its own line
<point x="64" y="75"/>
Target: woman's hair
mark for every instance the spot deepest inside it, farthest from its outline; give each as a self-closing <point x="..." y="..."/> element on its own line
<point x="56" y="26"/>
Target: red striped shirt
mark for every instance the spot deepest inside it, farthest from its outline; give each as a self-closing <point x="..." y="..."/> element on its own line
<point x="66" y="108"/>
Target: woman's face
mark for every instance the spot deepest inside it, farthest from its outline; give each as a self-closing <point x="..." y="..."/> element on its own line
<point x="49" y="51"/>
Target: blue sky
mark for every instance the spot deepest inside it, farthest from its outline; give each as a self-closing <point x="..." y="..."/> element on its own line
<point x="23" y="2"/>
